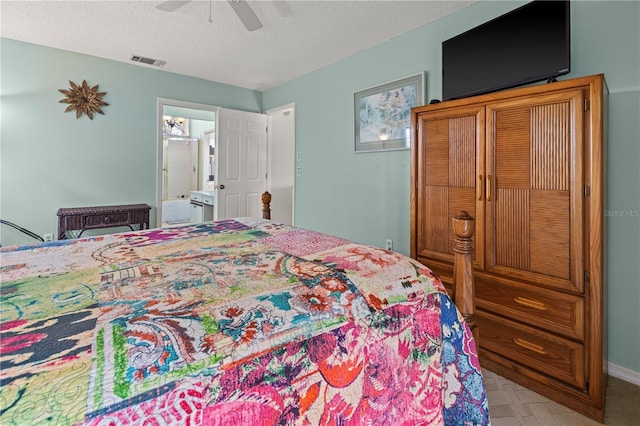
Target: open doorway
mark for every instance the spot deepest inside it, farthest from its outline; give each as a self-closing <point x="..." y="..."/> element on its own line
<point x="233" y="149"/>
<point x="180" y="170"/>
<point x="185" y="130"/>
<point x="282" y="162"/>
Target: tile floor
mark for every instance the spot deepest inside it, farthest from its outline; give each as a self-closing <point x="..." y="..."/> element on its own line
<point x="511" y="404"/>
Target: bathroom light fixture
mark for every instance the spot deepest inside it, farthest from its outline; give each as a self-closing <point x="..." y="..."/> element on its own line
<point x="177" y="126"/>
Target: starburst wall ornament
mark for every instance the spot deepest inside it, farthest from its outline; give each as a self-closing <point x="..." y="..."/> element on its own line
<point x="83" y="99"/>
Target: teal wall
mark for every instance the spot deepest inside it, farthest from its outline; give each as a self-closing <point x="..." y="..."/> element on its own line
<point x="49" y="159"/>
<point x="365" y="197"/>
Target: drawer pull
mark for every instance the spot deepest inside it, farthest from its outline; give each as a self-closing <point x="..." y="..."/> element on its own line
<point x="530" y="346"/>
<point x="530" y="303"/>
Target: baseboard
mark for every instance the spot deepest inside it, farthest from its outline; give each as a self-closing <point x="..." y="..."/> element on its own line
<point x="624" y="374"/>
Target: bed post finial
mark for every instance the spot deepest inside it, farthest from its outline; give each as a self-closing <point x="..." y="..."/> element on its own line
<point x="463" y="285"/>
<point x="266" y="205"/>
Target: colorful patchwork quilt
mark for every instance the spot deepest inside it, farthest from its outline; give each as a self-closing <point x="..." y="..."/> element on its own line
<point x="235" y="322"/>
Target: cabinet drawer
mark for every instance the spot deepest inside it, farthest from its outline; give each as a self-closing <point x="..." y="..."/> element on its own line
<point x="554" y="311"/>
<point x="106" y="219"/>
<point x="207" y="199"/>
<point x="201" y="197"/>
<point x="551" y="355"/>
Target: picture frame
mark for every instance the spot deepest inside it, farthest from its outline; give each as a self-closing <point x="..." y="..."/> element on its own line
<point x="382" y="114"/>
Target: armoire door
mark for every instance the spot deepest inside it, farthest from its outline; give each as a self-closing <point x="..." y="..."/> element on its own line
<point x="450" y="163"/>
<point x="534" y="189"/>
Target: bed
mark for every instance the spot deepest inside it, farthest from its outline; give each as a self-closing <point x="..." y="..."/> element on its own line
<point x="238" y="322"/>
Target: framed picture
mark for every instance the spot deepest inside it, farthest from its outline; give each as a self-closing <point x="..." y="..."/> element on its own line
<point x="383" y="114"/>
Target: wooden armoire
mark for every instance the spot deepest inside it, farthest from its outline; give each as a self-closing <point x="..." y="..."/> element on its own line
<point x="528" y="165"/>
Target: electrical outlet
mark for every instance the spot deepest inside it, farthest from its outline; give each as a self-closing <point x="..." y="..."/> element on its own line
<point x="48" y="237"/>
<point x="389" y="245"/>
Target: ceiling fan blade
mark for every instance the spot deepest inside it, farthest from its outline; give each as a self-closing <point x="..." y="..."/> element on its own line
<point x="170" y="6"/>
<point x="246" y="14"/>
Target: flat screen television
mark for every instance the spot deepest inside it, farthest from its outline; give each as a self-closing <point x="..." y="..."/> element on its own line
<point x="528" y="44"/>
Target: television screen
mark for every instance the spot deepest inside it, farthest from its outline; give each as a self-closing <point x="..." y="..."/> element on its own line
<point x="528" y="44"/>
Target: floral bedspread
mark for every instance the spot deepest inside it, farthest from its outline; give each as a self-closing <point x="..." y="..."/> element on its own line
<point x="236" y="322"/>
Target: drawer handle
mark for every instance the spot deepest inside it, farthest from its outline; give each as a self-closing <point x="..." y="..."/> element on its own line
<point x="530" y="346"/>
<point x="479" y="187"/>
<point x="530" y="303"/>
<point x="488" y="188"/>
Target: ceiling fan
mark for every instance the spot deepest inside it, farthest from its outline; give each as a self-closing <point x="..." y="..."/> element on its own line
<point x="240" y="7"/>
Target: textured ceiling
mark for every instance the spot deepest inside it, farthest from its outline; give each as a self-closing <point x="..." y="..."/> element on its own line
<point x="298" y="37"/>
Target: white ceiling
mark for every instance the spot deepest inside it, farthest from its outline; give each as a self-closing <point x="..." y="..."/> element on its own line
<point x="298" y="36"/>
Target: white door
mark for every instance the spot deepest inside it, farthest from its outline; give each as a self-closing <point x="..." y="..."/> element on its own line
<point x="241" y="157"/>
<point x="181" y="168"/>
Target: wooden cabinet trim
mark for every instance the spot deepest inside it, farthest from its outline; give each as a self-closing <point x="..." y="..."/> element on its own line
<point x="595" y="83"/>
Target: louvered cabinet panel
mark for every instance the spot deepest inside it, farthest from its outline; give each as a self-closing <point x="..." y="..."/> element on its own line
<point x="534" y="187"/>
<point x="511" y="237"/>
<point x="549" y="244"/>
<point x="510" y="145"/>
<point x="434" y="235"/>
<point x="448" y="154"/>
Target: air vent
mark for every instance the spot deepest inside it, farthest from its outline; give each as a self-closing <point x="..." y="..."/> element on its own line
<point x="148" y="61"/>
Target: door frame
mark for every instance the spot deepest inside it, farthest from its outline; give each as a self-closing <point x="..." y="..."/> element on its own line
<point x="295" y="156"/>
<point x="161" y="103"/>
